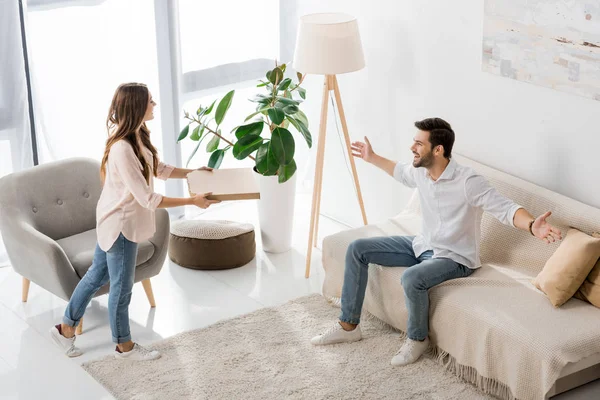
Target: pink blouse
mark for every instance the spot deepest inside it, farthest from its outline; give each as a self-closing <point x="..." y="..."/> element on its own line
<point x="127" y="203"/>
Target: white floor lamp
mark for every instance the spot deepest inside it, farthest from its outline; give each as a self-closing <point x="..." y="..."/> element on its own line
<point x="328" y="44"/>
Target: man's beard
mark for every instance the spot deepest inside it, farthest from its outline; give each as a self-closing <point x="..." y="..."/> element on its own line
<point x="424" y="161"/>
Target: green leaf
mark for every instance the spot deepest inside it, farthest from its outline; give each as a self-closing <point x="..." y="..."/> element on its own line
<point x="275" y="76"/>
<point x="266" y="163"/>
<point x="261" y="99"/>
<point x="284" y="84"/>
<point x="223" y="106"/>
<point x="277" y="115"/>
<point x="278" y="75"/>
<point x="216" y="158"/>
<point x="302" y="92"/>
<point x="209" y="109"/>
<point x="283" y="145"/>
<point x="300" y="116"/>
<point x="287" y="102"/>
<point x="195" y="150"/>
<point x="213" y="144"/>
<point x="283" y="67"/>
<point x="254" y="128"/>
<point x="197" y="133"/>
<point x="288" y="95"/>
<point x="246" y="145"/>
<point x="291" y="110"/>
<point x="285" y="124"/>
<point x="193" y="154"/>
<point x="252" y="116"/>
<point x="261" y="84"/>
<point x="299" y="75"/>
<point x="285" y="172"/>
<point x="184" y="133"/>
<point x="300" y="127"/>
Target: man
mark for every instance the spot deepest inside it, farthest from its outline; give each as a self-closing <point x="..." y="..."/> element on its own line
<point x="453" y="199"/>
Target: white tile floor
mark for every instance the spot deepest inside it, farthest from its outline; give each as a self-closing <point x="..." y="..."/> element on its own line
<point x="32" y="368"/>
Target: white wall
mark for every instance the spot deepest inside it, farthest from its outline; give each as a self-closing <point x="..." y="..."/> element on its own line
<point x="423" y="60"/>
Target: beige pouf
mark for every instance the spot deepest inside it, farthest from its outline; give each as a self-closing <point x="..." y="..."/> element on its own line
<point x="201" y="244"/>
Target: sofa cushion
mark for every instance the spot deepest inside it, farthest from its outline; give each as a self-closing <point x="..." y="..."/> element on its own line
<point x="80" y="250"/>
<point x="590" y="289"/>
<point x="568" y="267"/>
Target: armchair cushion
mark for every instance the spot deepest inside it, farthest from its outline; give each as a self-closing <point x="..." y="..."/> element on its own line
<point x="80" y="248"/>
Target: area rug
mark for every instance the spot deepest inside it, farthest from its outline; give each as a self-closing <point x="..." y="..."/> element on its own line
<point x="267" y="355"/>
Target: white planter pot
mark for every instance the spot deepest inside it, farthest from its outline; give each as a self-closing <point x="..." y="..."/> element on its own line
<point x="276" y="212"/>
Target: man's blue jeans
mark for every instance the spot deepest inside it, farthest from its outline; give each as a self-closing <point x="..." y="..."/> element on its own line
<point x="117" y="266"/>
<point x="424" y="273"/>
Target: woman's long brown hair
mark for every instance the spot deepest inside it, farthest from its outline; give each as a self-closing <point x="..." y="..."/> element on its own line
<point x="125" y="118"/>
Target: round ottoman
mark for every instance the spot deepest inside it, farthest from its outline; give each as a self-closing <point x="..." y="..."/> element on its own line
<point x="201" y="244"/>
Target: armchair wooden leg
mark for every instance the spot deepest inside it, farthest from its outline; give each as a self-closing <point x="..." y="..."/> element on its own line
<point x="148" y="289"/>
<point x="79" y="329"/>
<point x="25" y="292"/>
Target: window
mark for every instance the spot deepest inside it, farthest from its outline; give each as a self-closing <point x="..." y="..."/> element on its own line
<point x="78" y="56"/>
<point x="225" y="42"/>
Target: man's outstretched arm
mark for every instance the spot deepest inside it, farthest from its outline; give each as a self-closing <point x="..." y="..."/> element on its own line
<point x="365" y="151"/>
<point x="480" y="193"/>
<point x="401" y="172"/>
<point x="539" y="227"/>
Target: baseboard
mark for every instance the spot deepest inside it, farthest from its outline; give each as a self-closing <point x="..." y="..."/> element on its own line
<point x="574" y="380"/>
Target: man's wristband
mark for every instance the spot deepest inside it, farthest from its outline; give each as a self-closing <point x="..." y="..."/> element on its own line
<point x="531" y="227"/>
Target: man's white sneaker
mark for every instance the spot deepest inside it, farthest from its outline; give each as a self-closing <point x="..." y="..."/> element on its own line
<point x="137" y="353"/>
<point x="410" y="352"/>
<point x="67" y="345"/>
<point x="337" y="334"/>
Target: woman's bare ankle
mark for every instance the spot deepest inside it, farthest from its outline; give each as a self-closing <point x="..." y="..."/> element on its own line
<point x="67" y="331"/>
<point x="348" y="326"/>
<point x="125" y="347"/>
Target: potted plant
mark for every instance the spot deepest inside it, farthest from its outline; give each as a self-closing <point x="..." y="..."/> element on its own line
<point x="271" y="149"/>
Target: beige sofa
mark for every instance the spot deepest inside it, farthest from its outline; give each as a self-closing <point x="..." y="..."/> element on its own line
<point x="493" y="329"/>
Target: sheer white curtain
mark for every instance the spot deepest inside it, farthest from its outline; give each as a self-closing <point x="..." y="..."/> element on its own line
<point x="79" y="53"/>
<point x="15" y="132"/>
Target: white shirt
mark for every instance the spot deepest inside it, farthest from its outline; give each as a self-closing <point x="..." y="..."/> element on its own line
<point x="127" y="203"/>
<point x="452" y="208"/>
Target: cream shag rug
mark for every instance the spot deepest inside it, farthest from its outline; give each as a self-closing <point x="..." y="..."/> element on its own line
<point x="267" y="355"/>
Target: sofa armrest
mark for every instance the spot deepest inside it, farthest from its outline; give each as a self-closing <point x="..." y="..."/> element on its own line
<point x="334" y="254"/>
<point x="335" y="246"/>
<point x="40" y="259"/>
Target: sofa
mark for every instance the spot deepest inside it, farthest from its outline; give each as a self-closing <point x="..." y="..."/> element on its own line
<point x="494" y="329"/>
<point x="48" y="224"/>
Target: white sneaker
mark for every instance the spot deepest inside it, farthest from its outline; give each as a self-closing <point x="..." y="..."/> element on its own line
<point x="137" y="353"/>
<point x="67" y="345"/>
<point x="410" y="352"/>
<point x="337" y="334"/>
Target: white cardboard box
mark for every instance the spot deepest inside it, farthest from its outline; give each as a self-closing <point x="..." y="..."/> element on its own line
<point x="225" y="184"/>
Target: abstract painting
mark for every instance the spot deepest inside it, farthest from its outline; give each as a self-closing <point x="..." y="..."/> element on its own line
<point x="551" y="43"/>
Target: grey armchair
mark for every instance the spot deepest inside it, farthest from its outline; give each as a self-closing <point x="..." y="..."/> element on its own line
<point x="48" y="224"/>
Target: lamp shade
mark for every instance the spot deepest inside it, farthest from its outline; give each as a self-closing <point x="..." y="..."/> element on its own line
<point x="328" y="44"/>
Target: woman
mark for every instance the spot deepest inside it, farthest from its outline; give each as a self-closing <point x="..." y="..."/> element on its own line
<point x="125" y="217"/>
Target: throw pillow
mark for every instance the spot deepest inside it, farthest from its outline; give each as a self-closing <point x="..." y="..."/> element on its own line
<point x="590" y="290"/>
<point x="568" y="267"/>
